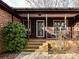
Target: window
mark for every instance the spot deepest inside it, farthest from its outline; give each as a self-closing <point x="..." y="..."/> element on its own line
<point x="59" y="25"/>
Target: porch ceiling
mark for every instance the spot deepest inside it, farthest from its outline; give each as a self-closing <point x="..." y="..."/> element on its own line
<point x="49" y="15"/>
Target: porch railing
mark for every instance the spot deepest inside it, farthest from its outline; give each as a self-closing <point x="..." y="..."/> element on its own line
<point x="66" y="34"/>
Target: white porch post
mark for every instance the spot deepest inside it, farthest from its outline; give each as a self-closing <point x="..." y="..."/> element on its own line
<point x="65" y="19"/>
<point x="28" y="25"/>
<point x="46" y="25"/>
<point x="65" y="22"/>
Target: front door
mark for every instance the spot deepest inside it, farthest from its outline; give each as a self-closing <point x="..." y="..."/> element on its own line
<point x="40" y="28"/>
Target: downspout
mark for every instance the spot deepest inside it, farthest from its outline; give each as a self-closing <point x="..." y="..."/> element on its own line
<point x="12" y="18"/>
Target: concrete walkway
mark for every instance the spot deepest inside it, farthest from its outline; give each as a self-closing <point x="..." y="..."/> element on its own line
<point x="45" y="55"/>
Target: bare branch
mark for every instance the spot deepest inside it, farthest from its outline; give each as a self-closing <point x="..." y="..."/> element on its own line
<point x="53" y="3"/>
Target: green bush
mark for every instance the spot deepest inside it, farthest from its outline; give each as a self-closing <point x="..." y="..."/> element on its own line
<point x="15" y="36"/>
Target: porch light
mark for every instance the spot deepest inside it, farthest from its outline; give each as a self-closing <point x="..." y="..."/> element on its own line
<point x="39" y="14"/>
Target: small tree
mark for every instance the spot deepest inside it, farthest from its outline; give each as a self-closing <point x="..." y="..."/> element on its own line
<point x="14" y="34"/>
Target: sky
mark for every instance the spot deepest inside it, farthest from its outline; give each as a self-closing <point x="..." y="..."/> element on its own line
<point x="23" y="3"/>
<point x="17" y="3"/>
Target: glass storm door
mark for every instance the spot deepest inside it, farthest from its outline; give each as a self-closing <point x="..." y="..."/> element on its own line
<point x="40" y="28"/>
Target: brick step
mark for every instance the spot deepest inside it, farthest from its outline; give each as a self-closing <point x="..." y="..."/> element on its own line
<point x="37" y="40"/>
<point x="35" y="43"/>
<point x="28" y="50"/>
<point x="36" y="47"/>
<point x="32" y="45"/>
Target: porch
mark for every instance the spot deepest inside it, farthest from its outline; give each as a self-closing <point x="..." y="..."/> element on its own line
<point x="51" y="26"/>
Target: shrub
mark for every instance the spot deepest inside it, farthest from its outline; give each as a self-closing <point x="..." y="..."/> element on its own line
<point x="15" y="36"/>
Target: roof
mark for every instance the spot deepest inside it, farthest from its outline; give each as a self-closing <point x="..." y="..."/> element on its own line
<point x="17" y="11"/>
<point x="47" y="10"/>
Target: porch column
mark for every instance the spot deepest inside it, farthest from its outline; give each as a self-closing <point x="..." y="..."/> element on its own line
<point x="65" y="22"/>
<point x="65" y="19"/>
<point x="28" y="25"/>
<point x="46" y="25"/>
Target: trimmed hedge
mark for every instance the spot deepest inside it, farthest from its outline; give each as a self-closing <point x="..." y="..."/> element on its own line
<point x="14" y="35"/>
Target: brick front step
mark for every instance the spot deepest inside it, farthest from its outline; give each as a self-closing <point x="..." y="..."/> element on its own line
<point x="33" y="44"/>
<point x="37" y="40"/>
<point x="28" y="50"/>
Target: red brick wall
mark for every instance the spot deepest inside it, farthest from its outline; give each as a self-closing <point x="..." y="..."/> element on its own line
<point x="5" y="17"/>
<point x="16" y="19"/>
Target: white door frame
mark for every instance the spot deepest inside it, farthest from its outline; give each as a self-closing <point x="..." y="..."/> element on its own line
<point x="37" y="28"/>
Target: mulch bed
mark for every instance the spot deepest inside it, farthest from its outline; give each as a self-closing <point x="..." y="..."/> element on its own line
<point x="8" y="55"/>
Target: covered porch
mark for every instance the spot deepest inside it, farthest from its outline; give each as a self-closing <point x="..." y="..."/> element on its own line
<point x="50" y="23"/>
<point x="51" y="26"/>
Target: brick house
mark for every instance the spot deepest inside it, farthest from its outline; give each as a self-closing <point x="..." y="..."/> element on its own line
<point x="44" y="23"/>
